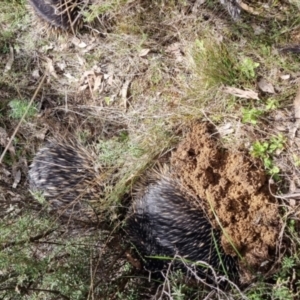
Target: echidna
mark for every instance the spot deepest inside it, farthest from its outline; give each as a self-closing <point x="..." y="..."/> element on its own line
<point x="66" y="14"/>
<point x="63" y="14"/>
<point x="163" y="223"/>
<point x="66" y="175"/>
<point x="290" y="49"/>
<point x="233" y="7"/>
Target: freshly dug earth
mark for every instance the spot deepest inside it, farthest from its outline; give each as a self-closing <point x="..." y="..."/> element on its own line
<point x="235" y="188"/>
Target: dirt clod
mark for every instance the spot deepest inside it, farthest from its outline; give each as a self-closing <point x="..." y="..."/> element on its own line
<point x="234" y="188"/>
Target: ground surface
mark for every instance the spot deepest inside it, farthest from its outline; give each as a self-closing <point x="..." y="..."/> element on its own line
<point x="128" y="87"/>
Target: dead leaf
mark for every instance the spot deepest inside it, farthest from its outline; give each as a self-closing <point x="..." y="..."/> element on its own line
<point x="110" y="79"/>
<point x="265" y="86"/>
<point x="86" y="74"/>
<point x="144" y="52"/>
<point x="197" y="5"/>
<point x="41" y="134"/>
<point x="50" y="67"/>
<point x="81" y="60"/>
<point x="225" y="129"/>
<point x="295" y="126"/>
<point x="47" y="47"/>
<point x="97" y="82"/>
<point x="17" y="179"/>
<point x="3" y="137"/>
<point x="297" y="104"/>
<point x="83" y="87"/>
<point x="124" y="92"/>
<point x="61" y="65"/>
<point x="175" y="50"/>
<point x="36" y="74"/>
<point x="76" y="41"/>
<point x="97" y="69"/>
<point x="4" y="140"/>
<point x="82" y="45"/>
<point x="258" y="29"/>
<point x="285" y="77"/>
<point x="5" y="172"/>
<point x="92" y="45"/>
<point x="247" y="94"/>
<point x="70" y="77"/>
<point x="10" y="60"/>
<point x="89" y="48"/>
<point x="248" y="8"/>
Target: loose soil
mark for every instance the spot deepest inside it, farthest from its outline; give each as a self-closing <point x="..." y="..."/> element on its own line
<point x="236" y="195"/>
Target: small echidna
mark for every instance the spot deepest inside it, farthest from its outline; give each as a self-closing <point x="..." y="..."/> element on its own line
<point x="63" y="14"/>
<point x="163" y="223"/>
<point x="65" y="174"/>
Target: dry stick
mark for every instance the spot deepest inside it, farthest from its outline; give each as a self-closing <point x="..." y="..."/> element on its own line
<point x="22" y="119"/>
<point x="167" y="281"/>
<point x="91" y="288"/>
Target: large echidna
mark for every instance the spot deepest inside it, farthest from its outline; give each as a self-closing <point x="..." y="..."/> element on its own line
<point x="63" y="14"/>
<point x="66" y="175"/>
<point x="164" y="223"/>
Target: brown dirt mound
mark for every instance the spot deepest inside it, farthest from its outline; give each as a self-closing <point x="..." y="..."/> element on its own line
<point x="236" y="187"/>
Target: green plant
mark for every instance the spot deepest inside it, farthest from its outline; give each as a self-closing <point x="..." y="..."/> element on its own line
<point x="95" y="10"/>
<point x="37" y="261"/>
<point x="286" y="277"/>
<point x="12" y="15"/>
<point x="296" y="160"/>
<point x="177" y="292"/>
<point x="39" y="197"/>
<point x="219" y="64"/>
<point x="292" y="226"/>
<point x="281" y="291"/>
<point x="271" y="104"/>
<point x="247" y="67"/>
<point x="18" y="108"/>
<point x="277" y="143"/>
<point x="287" y="264"/>
<point x="118" y="150"/>
<point x="131" y="294"/>
<point x="178" y="288"/>
<point x="215" y="63"/>
<point x="156" y="74"/>
<point x="265" y="151"/>
<point x="258" y="292"/>
<point x="251" y="115"/>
